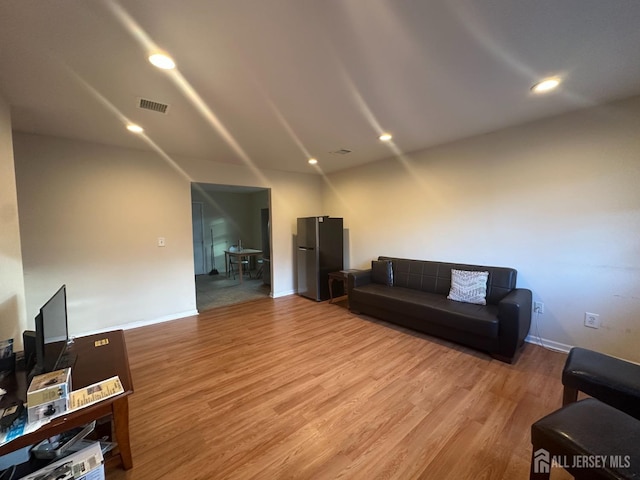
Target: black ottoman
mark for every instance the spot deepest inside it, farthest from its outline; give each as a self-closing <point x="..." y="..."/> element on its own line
<point x="590" y="439"/>
<point x="610" y="380"/>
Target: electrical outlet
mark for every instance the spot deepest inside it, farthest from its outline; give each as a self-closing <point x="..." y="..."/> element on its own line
<point x="591" y="320"/>
<point x="161" y="242"/>
<point x="538" y="307"/>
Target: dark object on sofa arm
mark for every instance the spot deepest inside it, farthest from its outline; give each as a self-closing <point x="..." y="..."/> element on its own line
<point x="418" y="300"/>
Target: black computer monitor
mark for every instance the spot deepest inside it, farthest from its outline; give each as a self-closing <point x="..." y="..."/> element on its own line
<point x="52" y="333"/>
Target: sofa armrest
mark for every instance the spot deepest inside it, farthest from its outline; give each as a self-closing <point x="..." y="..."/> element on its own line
<point x="514" y="313"/>
<point x="357" y="279"/>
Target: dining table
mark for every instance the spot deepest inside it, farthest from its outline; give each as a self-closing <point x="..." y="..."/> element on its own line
<point x="239" y="253"/>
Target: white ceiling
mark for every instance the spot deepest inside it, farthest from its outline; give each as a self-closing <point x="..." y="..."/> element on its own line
<point x="272" y="82"/>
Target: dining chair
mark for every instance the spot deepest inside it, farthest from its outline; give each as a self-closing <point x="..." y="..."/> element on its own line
<point x="234" y="261"/>
<point x="260" y="264"/>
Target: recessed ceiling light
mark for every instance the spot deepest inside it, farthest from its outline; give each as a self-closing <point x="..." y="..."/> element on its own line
<point x="385" y="137"/>
<point x="313" y="161"/>
<point x="135" y="128"/>
<point x="545" y="85"/>
<point x="163" y="61"/>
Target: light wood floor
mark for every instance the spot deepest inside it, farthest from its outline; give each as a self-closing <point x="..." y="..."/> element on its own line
<point x="290" y="388"/>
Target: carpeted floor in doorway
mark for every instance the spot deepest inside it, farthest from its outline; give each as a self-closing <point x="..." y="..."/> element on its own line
<point x="218" y="290"/>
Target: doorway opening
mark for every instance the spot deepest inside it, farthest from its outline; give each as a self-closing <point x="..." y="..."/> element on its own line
<point x="231" y="216"/>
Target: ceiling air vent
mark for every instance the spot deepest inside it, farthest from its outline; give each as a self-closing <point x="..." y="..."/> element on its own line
<point x="342" y="151"/>
<point x="153" y="106"/>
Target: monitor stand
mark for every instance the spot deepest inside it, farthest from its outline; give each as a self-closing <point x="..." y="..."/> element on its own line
<point x="66" y="360"/>
<point x="36" y="370"/>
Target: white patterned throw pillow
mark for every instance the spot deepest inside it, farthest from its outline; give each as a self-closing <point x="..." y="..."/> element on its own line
<point x="468" y="287"/>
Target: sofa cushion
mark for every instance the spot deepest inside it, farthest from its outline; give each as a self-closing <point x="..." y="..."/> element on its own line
<point x="382" y="272"/>
<point x="432" y="307"/>
<point x="468" y="287"/>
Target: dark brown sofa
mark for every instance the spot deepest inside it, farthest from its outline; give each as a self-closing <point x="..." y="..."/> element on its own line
<point x="417" y="299"/>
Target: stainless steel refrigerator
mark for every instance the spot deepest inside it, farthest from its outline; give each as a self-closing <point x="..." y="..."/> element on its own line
<point x="320" y="251"/>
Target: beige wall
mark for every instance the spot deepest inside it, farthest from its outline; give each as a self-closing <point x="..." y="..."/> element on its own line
<point x="92" y="216"/>
<point x="12" y="296"/>
<point x="557" y="199"/>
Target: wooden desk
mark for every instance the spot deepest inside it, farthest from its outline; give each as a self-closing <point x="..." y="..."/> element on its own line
<point x="93" y="364"/>
<point x="245" y="252"/>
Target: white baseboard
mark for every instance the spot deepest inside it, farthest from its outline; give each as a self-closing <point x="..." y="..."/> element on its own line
<point x="142" y="323"/>
<point x="283" y="294"/>
<point x="545" y="342"/>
